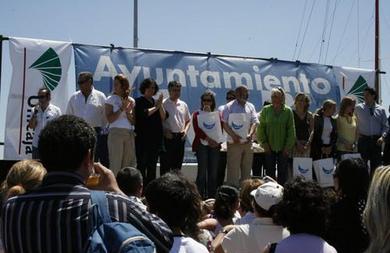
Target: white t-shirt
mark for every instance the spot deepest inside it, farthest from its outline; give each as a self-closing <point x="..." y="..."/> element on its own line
<point x="326" y="131"/>
<point x="178" y="115"/>
<point x="43" y="117"/>
<point x="253" y="237"/>
<point x="304" y="243"/>
<point x="92" y="110"/>
<point x="246" y="219"/>
<point x="183" y="244"/>
<point x="121" y="121"/>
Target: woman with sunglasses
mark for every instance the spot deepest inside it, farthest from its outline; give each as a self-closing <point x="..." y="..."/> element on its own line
<point x="206" y="144"/>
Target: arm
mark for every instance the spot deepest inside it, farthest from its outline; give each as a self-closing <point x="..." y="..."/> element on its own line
<point x="262" y="131"/>
<point x="230" y="132"/>
<point x="110" y="114"/>
<point x="33" y="121"/>
<point x="290" y="140"/>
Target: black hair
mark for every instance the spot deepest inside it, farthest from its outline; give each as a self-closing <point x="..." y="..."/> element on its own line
<point x="172" y="84"/>
<point x="371" y="91"/>
<point x="87" y="75"/>
<point x="176" y="201"/>
<point x="353" y="178"/>
<point x="64" y="142"/>
<point x="46" y="90"/>
<point x="304" y="207"/>
<point x="129" y="180"/>
<point x="225" y="202"/>
<point x="230" y="93"/>
<point x="147" y="83"/>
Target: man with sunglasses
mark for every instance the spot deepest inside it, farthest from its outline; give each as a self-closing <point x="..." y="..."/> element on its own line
<point x="44" y="111"/>
<point x="88" y="104"/>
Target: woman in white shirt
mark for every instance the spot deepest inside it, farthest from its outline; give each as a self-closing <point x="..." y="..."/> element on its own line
<point x="119" y="112"/>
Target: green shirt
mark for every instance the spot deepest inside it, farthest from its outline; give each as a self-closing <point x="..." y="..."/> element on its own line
<point x="276" y="129"/>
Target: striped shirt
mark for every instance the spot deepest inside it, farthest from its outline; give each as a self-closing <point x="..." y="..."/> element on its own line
<point x="57" y="217"/>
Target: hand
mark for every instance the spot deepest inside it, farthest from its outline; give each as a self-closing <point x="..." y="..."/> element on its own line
<point x="300" y="147"/>
<point x="107" y="181"/>
<point x="286" y="152"/>
<point x="227" y="228"/>
<point x="380" y="141"/>
<point x="212" y="143"/>
<point x="159" y="100"/>
<point x="207" y="108"/>
<point x="348" y="146"/>
<point x="184" y="135"/>
<point x="236" y="138"/>
<point x="168" y="134"/>
<point x="267" y="148"/>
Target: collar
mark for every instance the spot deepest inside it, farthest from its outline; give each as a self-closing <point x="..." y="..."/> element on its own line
<point x="263" y="221"/>
<point x="62" y="177"/>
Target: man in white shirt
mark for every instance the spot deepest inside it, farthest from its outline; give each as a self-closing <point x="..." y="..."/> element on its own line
<point x="44" y="111"/>
<point x="88" y="104"/>
<point x="255" y="236"/>
<point x="175" y="129"/>
<point x="239" y="121"/>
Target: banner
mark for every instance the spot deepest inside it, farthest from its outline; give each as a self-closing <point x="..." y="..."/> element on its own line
<point x="198" y="72"/>
<point x="35" y="64"/>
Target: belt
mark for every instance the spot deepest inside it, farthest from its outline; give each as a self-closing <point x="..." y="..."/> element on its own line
<point x="370" y="136"/>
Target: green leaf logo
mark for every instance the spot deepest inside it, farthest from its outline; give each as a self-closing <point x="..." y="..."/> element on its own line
<point x="50" y="67"/>
<point x="358" y="88"/>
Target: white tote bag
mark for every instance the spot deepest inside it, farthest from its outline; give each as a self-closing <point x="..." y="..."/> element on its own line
<point x="350" y="155"/>
<point x="210" y="124"/>
<point x="239" y="123"/>
<point x="302" y="166"/>
<point x="324" y="169"/>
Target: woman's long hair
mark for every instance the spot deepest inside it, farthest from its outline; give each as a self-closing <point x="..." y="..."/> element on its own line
<point x="377" y="211"/>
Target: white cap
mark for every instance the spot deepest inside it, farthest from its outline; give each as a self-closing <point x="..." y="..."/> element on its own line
<point x="268" y="194"/>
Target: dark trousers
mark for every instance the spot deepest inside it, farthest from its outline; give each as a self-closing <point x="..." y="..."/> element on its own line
<point x="101" y="150"/>
<point x="147" y="156"/>
<point x="257" y="164"/>
<point x="221" y="168"/>
<point x="370" y="151"/>
<point x="172" y="158"/>
<point x="386" y="152"/>
<point x="277" y="158"/>
<point x="206" y="179"/>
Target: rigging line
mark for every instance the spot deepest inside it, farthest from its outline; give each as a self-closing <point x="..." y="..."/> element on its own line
<point x="331" y="29"/>
<point x="358" y="32"/>
<point x="344" y="31"/>
<point x="300" y="29"/>
<point x="365" y="36"/>
<point x="306" y="27"/>
<point x="324" y="29"/>
<point x="314" y="50"/>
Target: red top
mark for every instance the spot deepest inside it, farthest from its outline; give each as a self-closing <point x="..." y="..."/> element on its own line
<point x="199" y="134"/>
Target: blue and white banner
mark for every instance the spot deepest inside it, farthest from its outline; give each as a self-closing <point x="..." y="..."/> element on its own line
<point x="198" y="72"/>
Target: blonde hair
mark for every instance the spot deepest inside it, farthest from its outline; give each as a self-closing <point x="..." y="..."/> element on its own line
<point x="23" y="176"/>
<point x="345" y="102"/>
<point x="377" y="211"/>
<point x="328" y="103"/>
<point x="305" y="98"/>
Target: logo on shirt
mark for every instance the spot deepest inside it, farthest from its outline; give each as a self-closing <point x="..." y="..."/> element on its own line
<point x="50" y="67"/>
<point x="209" y="126"/>
<point x="302" y="170"/>
<point x="327" y="171"/>
<point x="236" y="126"/>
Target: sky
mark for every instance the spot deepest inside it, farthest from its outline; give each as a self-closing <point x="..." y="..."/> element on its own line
<point x="333" y="32"/>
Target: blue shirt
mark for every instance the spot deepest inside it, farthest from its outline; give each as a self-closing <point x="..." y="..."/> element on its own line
<point x="235" y="107"/>
<point x="371" y="123"/>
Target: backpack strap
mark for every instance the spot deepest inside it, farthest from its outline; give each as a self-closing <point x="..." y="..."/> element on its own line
<point x="272" y="248"/>
<point x="99" y="199"/>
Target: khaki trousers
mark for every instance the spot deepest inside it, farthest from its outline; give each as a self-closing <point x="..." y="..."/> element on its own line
<point x="239" y="162"/>
<point x="121" y="149"/>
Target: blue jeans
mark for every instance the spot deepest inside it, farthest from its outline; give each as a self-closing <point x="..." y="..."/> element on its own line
<point x="281" y="160"/>
<point x="206" y="180"/>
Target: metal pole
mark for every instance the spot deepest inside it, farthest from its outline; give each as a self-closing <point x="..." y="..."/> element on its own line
<point x="1" y="55"/>
<point x="377" y="64"/>
<point x="135" y="23"/>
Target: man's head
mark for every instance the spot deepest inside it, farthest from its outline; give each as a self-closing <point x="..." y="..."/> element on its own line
<point x="85" y="82"/>
<point x="242" y="94"/>
<point x="67" y="144"/>
<point x="174" y="89"/>
<point x="369" y="95"/>
<point x="230" y="95"/>
<point x="265" y="197"/>
<point x="44" y="97"/>
<point x="130" y="181"/>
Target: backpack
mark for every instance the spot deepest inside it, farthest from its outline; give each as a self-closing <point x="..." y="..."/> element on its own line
<point x="108" y="236"/>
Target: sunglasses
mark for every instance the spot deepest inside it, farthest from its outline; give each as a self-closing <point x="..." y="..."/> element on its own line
<point x="230" y="98"/>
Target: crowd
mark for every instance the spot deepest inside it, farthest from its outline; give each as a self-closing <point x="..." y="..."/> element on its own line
<point x="49" y="206"/>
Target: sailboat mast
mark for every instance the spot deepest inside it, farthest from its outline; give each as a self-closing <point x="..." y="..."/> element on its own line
<point x="377" y="65"/>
